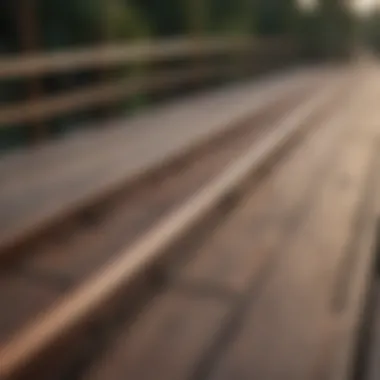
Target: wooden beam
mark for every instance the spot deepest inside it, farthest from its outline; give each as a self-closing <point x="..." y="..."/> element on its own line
<point x="29" y="37"/>
<point x="29" y="65"/>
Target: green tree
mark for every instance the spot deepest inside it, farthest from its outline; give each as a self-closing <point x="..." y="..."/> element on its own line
<point x="165" y="17"/>
<point x="328" y="30"/>
<point x="370" y="31"/>
<point x="275" y="17"/>
<point x="124" y="21"/>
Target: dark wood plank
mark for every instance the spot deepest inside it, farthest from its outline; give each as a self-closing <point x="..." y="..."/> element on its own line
<point x="166" y="342"/>
<point x="21" y="300"/>
<point x="115" y="55"/>
<point x="373" y="369"/>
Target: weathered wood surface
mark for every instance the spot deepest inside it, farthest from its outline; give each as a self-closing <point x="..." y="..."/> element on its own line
<point x="279" y="267"/>
<point x="115" y="55"/>
<point x="40" y="183"/>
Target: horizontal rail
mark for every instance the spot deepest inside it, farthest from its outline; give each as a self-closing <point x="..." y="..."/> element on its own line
<point x="109" y="56"/>
<point x="75" y="308"/>
<point x="77" y="100"/>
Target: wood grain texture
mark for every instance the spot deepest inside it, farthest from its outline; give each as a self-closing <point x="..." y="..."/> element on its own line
<point x="166" y="342"/>
<point x="304" y="162"/>
<point x="75" y="308"/>
<point x="111" y="56"/>
<point x="21" y="299"/>
<point x="237" y="253"/>
<point x="283" y="333"/>
<point x="41" y="184"/>
<point x="98" y="95"/>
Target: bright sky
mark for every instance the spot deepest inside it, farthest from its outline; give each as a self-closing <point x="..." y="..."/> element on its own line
<point x="364" y="5"/>
<point x="359" y="5"/>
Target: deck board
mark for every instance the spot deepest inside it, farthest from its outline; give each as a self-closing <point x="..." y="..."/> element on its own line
<point x="288" y="327"/>
<point x="287" y="322"/>
<point x="39" y="183"/>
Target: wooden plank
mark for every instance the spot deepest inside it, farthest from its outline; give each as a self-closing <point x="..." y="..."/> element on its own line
<point x="106" y="93"/>
<point x="30" y="40"/>
<point x="226" y="107"/>
<point x="144" y="352"/>
<point x="75" y="309"/>
<point x="241" y="248"/>
<point x="57" y="105"/>
<point x="21" y="299"/>
<point x="83" y="252"/>
<point x="282" y="335"/>
<point x="142" y="358"/>
<point x="373" y="370"/>
<point x="166" y="342"/>
<point x="347" y="327"/>
<point x="135" y="212"/>
<point x="355" y="282"/>
<point x="111" y="56"/>
<point x="36" y="196"/>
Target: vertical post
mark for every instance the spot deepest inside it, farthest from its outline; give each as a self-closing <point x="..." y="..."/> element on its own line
<point x="195" y="14"/>
<point x="195" y="17"/>
<point x="29" y="38"/>
<point x="246" y="57"/>
<point x="105" y="38"/>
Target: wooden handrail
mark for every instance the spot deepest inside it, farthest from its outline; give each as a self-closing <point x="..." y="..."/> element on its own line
<point x="23" y="66"/>
<point x="102" y="94"/>
<point x="111" y="56"/>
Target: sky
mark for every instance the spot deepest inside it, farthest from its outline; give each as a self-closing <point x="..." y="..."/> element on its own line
<point x="360" y="5"/>
<point x="364" y="5"/>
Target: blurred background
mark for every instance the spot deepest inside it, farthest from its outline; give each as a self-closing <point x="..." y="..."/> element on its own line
<point x="130" y="133"/>
<point x="308" y="30"/>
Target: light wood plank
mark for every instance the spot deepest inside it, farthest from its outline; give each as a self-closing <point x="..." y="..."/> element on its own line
<point x="282" y="334"/>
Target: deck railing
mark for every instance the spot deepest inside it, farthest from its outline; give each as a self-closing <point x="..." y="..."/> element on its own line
<point x="195" y="60"/>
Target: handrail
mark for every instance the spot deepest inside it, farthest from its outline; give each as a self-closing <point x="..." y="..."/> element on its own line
<point x="27" y="65"/>
<point x="101" y="94"/>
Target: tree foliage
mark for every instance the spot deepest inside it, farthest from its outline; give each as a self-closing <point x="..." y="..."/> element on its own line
<point x="324" y="32"/>
<point x="327" y="31"/>
<point x="273" y="17"/>
<point x="369" y="31"/>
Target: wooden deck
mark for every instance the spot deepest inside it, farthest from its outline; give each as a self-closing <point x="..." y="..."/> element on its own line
<point x="275" y="291"/>
<point x="40" y="184"/>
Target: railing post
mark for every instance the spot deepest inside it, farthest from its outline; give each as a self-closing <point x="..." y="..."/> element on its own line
<point x="195" y="10"/>
<point x="29" y="37"/>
